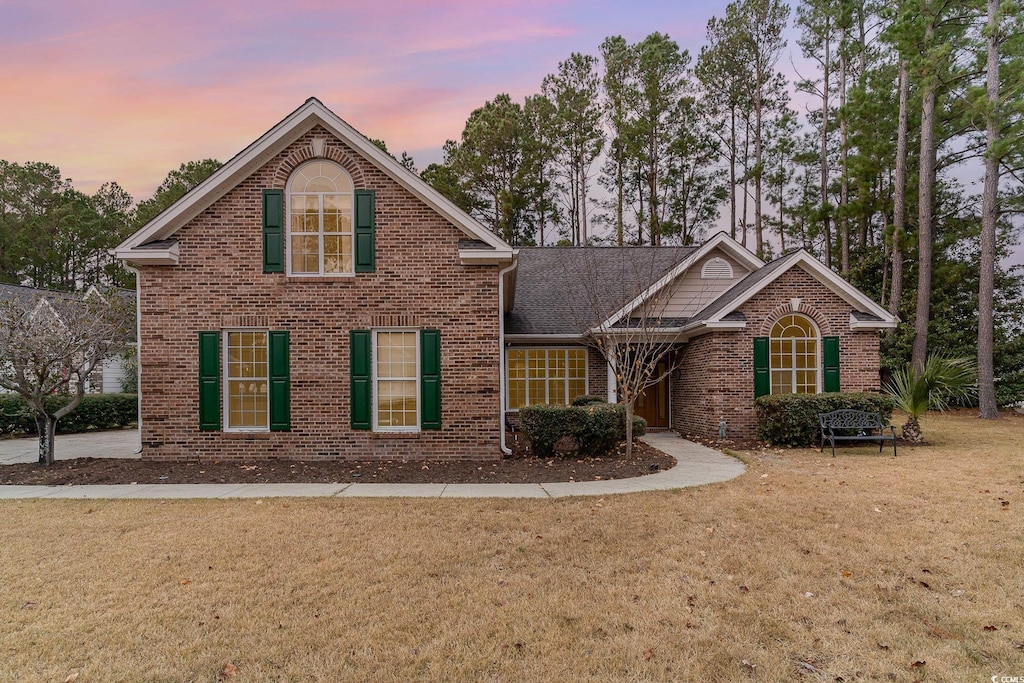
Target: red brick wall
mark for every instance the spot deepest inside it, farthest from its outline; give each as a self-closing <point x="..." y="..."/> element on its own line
<point x="718" y="368"/>
<point x="219" y="284"/>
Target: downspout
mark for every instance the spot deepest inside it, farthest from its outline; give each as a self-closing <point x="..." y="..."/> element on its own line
<point x="138" y="349"/>
<point x="501" y="351"/>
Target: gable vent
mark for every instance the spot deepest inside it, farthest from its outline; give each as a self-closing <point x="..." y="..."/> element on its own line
<point x="716" y="269"/>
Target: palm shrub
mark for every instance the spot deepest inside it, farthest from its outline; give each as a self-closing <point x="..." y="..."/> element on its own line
<point x="942" y="380"/>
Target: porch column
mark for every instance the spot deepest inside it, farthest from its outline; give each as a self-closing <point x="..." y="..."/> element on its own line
<point x="613" y="394"/>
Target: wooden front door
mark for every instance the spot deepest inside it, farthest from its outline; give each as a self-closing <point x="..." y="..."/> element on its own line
<point x="652" y="405"/>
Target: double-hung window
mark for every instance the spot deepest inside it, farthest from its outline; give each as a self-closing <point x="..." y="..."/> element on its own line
<point x="539" y="376"/>
<point x="246" y="390"/>
<point x="320" y="196"/>
<point x="396" y="377"/>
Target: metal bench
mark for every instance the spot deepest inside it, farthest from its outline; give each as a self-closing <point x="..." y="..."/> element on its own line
<point x="855" y="425"/>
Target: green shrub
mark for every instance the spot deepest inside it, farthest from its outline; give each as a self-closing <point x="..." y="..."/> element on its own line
<point x="792" y="419"/>
<point x="594" y="429"/>
<point x="587" y="400"/>
<point x="96" y="411"/>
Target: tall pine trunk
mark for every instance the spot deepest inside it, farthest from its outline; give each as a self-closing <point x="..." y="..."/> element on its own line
<point x="732" y="173"/>
<point x="925" y="237"/>
<point x="899" y="217"/>
<point x="989" y="212"/>
<point x="826" y="229"/>
<point x="844" y="180"/>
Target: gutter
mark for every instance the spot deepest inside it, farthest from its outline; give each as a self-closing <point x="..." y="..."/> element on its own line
<point x="138" y="348"/>
<point x="501" y="353"/>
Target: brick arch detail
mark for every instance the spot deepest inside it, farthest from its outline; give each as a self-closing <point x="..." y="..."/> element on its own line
<point x="305" y="153"/>
<point x="805" y="309"/>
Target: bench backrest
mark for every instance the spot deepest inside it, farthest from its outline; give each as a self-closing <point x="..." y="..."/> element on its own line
<point x="849" y="419"/>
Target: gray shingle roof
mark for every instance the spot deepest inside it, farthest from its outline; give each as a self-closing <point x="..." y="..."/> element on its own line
<point x="60" y="301"/>
<point x="567" y="290"/>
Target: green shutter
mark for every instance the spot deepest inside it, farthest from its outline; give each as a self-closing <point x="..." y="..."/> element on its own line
<point x="273" y="231"/>
<point x="209" y="380"/>
<point x="360" y="377"/>
<point x="762" y="378"/>
<point x="831" y="358"/>
<point x="430" y="379"/>
<point x="365" y="224"/>
<point x="280" y="383"/>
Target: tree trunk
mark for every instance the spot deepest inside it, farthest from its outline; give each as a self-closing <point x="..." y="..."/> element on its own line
<point x="732" y="173"/>
<point x="758" y="233"/>
<point x="629" y="428"/>
<point x="47" y="427"/>
<point x="986" y="373"/>
<point x="620" y="192"/>
<point x="844" y="181"/>
<point x="924" y="216"/>
<point x="899" y="216"/>
<point x="826" y="230"/>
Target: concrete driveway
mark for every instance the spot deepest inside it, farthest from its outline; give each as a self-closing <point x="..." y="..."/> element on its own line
<point x="122" y="443"/>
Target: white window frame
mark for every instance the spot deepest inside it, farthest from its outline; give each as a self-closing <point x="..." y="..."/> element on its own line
<point x="374" y="387"/>
<point x="226" y="377"/>
<point x="547" y="379"/>
<point x="320" y="230"/>
<point x="817" y="355"/>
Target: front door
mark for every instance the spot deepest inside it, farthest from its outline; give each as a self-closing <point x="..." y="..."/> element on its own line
<point x="652" y="405"/>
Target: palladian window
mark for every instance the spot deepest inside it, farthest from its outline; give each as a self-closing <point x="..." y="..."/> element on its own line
<point x="320" y="220"/>
<point x="794" y="356"/>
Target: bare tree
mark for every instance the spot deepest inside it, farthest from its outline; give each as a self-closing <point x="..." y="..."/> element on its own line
<point x="50" y="345"/>
<point x="634" y="333"/>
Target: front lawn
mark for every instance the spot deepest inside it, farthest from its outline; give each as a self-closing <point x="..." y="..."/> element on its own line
<point x="861" y="567"/>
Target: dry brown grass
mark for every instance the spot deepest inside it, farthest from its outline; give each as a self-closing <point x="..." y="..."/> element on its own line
<point x="860" y="567"/>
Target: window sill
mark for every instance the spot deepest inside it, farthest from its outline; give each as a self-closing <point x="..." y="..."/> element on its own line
<point x="246" y="435"/>
<point x="395" y="435"/>
<point x="342" y="277"/>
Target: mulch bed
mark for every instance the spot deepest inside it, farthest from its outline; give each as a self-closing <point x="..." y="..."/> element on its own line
<point x="521" y="470"/>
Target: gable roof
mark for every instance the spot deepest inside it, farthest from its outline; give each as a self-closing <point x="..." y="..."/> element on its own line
<point x="871" y="314"/>
<point x="142" y="247"/>
<point x="562" y="291"/>
<point x="719" y="240"/>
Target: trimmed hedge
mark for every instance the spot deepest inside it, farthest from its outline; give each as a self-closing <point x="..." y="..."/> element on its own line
<point x="595" y="429"/>
<point x="587" y="400"/>
<point x="792" y="419"/>
<point x="96" y="411"/>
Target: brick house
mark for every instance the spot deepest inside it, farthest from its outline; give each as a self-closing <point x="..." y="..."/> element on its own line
<point x="314" y="299"/>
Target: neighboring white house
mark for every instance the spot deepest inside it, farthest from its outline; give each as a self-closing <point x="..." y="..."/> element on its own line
<point x="107" y="379"/>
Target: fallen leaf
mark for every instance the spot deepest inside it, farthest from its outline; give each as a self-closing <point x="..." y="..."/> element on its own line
<point x="956" y="593"/>
<point x="847" y="574"/>
<point x="72" y="677"/>
<point x="749" y="665"/>
<point x="917" y="664"/>
<point x="808" y="594"/>
<point x="744" y="589"/>
<point x="883" y="646"/>
<point x="648" y="654"/>
<point x="990" y="627"/>
<point x="185" y="582"/>
<point x="227" y="671"/>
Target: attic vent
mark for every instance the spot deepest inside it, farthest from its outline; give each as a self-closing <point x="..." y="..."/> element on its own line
<point x="716" y="269"/>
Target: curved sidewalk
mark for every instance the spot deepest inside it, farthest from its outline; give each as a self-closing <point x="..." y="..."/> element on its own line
<point x="696" y="465"/>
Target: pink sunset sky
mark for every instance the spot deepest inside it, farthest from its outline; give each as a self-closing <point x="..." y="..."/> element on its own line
<point x="126" y="90"/>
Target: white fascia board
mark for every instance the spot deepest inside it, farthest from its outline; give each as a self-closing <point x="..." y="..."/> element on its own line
<point x="726" y="325"/>
<point x="871" y="324"/>
<point x="822" y="274"/>
<point x="485" y="257"/>
<point x="278" y="137"/>
<point x="545" y="338"/>
<point x="719" y="240"/>
<point x="149" y="257"/>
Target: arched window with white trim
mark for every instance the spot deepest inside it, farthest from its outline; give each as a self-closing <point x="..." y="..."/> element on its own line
<point x="320" y="219"/>
<point x="795" y="355"/>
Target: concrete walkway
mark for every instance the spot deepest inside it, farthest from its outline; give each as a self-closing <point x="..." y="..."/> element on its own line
<point x="697" y="465"/>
